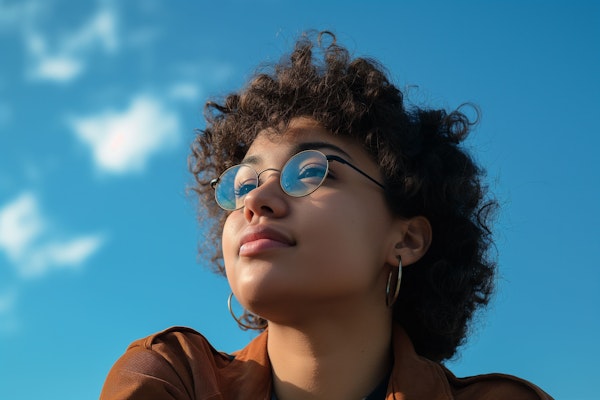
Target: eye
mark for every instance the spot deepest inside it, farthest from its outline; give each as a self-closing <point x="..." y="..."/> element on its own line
<point x="243" y="188"/>
<point x="312" y="171"/>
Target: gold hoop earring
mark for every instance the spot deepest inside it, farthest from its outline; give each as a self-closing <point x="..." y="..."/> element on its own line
<point x="390" y="298"/>
<point x="239" y="321"/>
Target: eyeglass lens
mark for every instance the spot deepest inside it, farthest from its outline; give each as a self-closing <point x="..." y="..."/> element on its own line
<point x="301" y="175"/>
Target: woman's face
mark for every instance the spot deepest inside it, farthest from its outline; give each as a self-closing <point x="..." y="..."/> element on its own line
<point x="287" y="257"/>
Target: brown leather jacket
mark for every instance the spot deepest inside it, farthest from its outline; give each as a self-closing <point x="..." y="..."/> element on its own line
<point x="179" y="363"/>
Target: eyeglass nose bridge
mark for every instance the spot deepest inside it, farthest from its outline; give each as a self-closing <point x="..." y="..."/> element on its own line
<point x="258" y="174"/>
<point x="259" y="182"/>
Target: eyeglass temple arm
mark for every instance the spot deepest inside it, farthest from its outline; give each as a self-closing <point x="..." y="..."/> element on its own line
<point x="341" y="160"/>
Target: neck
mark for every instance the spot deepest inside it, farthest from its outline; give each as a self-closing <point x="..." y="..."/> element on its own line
<point x="332" y="358"/>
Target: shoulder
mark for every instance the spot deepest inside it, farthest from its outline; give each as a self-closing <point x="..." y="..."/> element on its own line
<point x="494" y="386"/>
<point x="177" y="341"/>
<point x="424" y="378"/>
<point x="167" y="362"/>
<point x="178" y="347"/>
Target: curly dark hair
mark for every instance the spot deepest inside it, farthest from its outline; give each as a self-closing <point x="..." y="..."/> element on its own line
<point x="425" y="171"/>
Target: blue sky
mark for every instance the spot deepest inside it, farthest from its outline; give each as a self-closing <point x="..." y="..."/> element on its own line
<point x="98" y="105"/>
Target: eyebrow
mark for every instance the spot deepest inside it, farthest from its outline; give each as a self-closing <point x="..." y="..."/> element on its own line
<point x="253" y="160"/>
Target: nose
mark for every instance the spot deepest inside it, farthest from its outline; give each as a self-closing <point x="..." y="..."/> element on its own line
<point x="268" y="199"/>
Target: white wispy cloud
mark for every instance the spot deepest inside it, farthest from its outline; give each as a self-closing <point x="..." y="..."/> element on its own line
<point x="60" y="68"/>
<point x="186" y="91"/>
<point x="123" y="141"/>
<point x="20" y="225"/>
<point x="100" y="29"/>
<point x="66" y="59"/>
<point x="31" y="244"/>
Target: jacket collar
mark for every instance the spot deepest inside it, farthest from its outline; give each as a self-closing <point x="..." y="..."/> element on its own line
<point x="413" y="377"/>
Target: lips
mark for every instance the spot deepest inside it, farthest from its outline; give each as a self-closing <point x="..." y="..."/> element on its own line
<point x="259" y="239"/>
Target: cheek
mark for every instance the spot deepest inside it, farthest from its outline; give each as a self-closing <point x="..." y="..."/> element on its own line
<point x="228" y="241"/>
<point x="349" y="237"/>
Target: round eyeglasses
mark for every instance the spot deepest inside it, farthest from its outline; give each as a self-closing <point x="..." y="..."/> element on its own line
<point x="301" y="175"/>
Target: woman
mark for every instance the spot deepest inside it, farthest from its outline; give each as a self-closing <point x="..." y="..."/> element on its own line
<point x="353" y="230"/>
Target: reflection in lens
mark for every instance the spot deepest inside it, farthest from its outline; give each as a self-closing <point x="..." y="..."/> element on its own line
<point x="233" y="186"/>
<point x="304" y="173"/>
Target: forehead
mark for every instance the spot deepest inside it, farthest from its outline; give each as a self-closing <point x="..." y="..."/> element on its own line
<point x="300" y="133"/>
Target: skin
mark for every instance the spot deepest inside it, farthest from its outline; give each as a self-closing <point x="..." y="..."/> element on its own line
<point x="316" y="267"/>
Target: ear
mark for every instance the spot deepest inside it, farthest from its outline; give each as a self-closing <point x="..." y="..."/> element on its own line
<point x="412" y="238"/>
